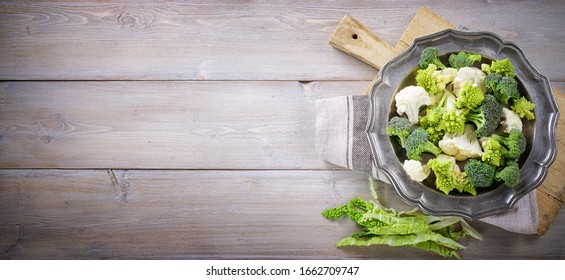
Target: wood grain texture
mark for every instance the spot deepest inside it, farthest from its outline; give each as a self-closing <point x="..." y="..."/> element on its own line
<point x="210" y="40"/>
<point x="356" y="40"/>
<point x="196" y="125"/>
<point x="424" y="22"/>
<point x="224" y="89"/>
<point x="551" y="194"/>
<point x="78" y="214"/>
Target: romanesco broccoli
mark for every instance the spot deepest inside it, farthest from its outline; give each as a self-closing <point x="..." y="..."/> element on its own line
<point x="503" y="67"/>
<point x="493" y="151"/>
<point x="524" y="108"/>
<point x="470" y="97"/>
<point x="431" y="122"/>
<point x="445" y="117"/>
<point x="448" y="175"/>
<point x="432" y="80"/>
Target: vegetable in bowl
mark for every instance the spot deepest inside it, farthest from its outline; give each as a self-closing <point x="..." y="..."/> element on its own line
<point x="540" y="133"/>
<point x="468" y="129"/>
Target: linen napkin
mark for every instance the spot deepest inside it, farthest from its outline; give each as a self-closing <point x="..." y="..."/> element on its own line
<point x="341" y="139"/>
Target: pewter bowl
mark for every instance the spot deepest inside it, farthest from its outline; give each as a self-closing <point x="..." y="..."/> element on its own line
<point x="540" y="152"/>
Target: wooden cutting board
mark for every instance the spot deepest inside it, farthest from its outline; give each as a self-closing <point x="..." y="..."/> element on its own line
<point x="355" y="39"/>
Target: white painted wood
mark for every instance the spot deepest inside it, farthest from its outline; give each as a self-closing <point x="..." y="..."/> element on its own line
<point x="239" y="120"/>
<point x="64" y="214"/>
<point x="239" y="41"/>
<point x="171" y="125"/>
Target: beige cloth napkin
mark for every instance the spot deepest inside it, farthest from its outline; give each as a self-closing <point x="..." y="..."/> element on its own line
<point x="341" y="140"/>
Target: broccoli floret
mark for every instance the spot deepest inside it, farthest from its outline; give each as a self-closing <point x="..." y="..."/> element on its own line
<point x="470" y="97"/>
<point x="486" y="117"/>
<point x="504" y="88"/>
<point x="493" y="151"/>
<point x="515" y="142"/>
<point x="480" y="174"/>
<point x="463" y="59"/>
<point x="509" y="174"/>
<point x="449" y="176"/>
<point x="507" y="89"/>
<point x="417" y="143"/>
<point x="503" y="67"/>
<point x="524" y="108"/>
<point x="491" y="81"/>
<point x="430" y="56"/>
<point x="399" y="127"/>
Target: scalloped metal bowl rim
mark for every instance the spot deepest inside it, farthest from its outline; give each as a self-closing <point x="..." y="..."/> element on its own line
<point x="470" y="207"/>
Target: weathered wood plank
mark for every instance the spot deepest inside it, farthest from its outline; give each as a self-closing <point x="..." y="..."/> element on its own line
<point x="354" y="39"/>
<point x="172" y="125"/>
<point x="210" y="41"/>
<point x="172" y="214"/>
<point x="202" y="125"/>
<point x="551" y="195"/>
<point x="132" y="214"/>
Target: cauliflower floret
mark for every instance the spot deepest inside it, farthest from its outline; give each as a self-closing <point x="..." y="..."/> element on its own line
<point x="450" y="101"/>
<point x="449" y="74"/>
<point x="416" y="170"/>
<point x="470" y="75"/>
<point x="463" y="146"/>
<point x="510" y="120"/>
<point x="409" y="100"/>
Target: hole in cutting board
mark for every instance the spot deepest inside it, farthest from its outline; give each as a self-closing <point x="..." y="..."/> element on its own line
<point x="354" y="36"/>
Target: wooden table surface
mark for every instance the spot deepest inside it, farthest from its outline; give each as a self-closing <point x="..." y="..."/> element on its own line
<point x="168" y="130"/>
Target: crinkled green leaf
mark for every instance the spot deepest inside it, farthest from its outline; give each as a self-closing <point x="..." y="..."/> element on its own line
<point x="445" y="241"/>
<point x="391" y="219"/>
<point x="391" y="240"/>
<point x="438" y="249"/>
<point x="401" y="240"/>
<point x="361" y="204"/>
<point x="398" y="228"/>
<point x="385" y="226"/>
<point x="335" y="213"/>
<point x="451" y="232"/>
